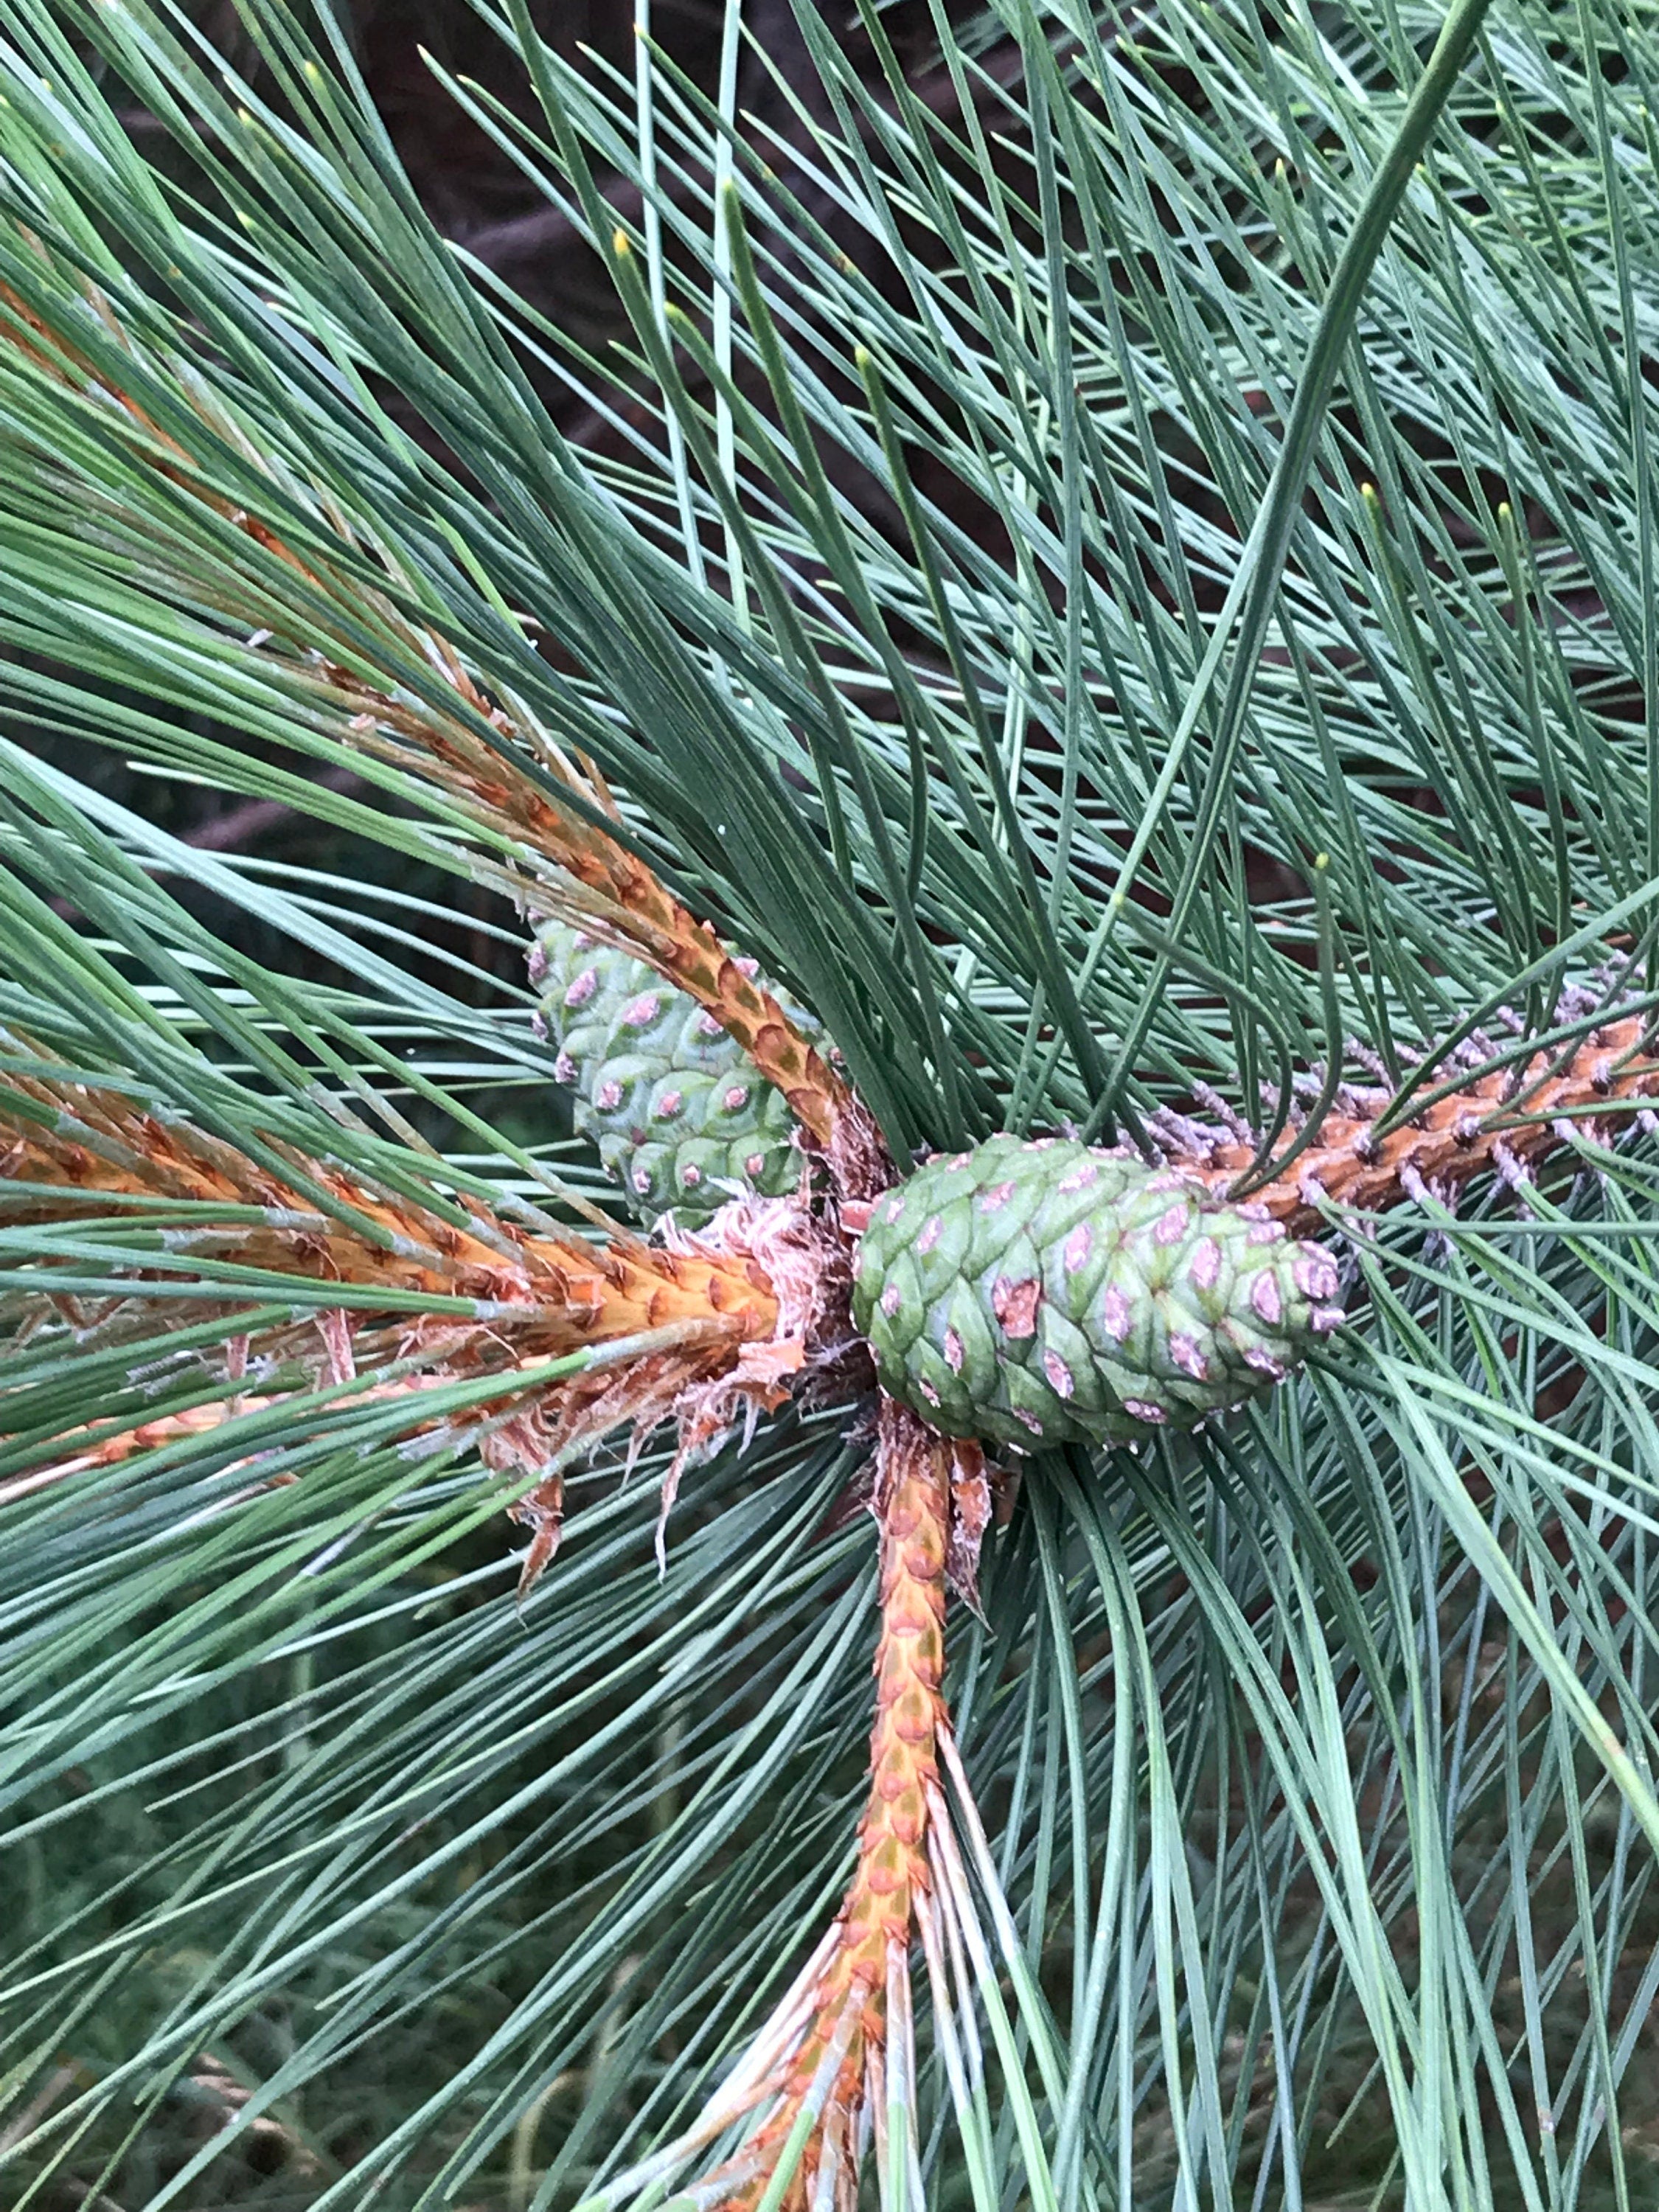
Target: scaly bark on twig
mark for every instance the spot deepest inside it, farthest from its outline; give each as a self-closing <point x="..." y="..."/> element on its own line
<point x="1504" y="1120"/>
<point x="831" y="2064"/>
<point x="714" y="1335"/>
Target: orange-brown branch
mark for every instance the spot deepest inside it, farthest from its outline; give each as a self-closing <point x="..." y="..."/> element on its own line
<point x="559" y="1293"/>
<point x="713" y="1329"/>
<point x="877" y="1921"/>
<point x="624" y="895"/>
<point x="625" y="900"/>
<point x="1506" y="1115"/>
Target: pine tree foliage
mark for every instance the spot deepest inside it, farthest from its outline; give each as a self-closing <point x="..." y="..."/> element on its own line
<point x="1123" y="575"/>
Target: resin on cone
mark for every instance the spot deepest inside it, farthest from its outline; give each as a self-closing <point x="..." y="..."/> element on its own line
<point x="680" y="1116"/>
<point x="1051" y="1292"/>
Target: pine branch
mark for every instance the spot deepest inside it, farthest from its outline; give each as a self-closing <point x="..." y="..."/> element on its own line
<point x="877" y="1923"/>
<point x="138" y="1222"/>
<point x="995" y="712"/>
<point x="563" y="858"/>
<point x="1504" y="1120"/>
<point x="837" y="2053"/>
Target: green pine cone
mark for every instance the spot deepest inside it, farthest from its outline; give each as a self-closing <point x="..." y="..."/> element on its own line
<point x="1054" y="1293"/>
<point x="680" y="1115"/>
